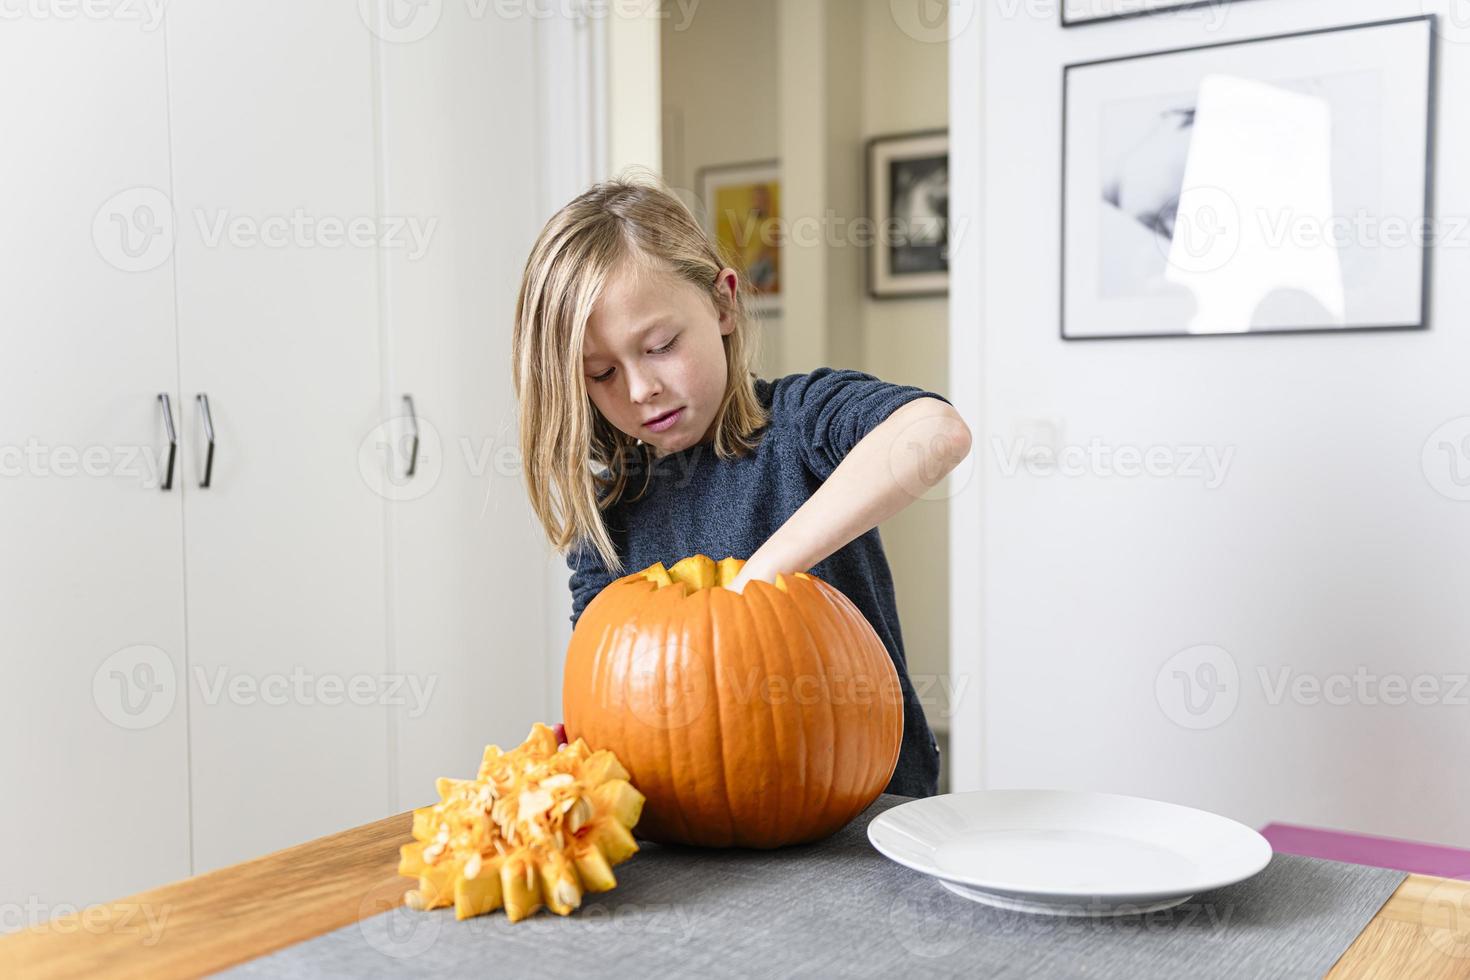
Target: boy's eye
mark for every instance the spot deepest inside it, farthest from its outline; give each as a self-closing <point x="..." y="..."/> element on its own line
<point x="657" y="350"/>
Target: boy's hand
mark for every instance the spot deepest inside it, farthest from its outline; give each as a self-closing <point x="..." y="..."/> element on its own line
<point x="749" y="573"/>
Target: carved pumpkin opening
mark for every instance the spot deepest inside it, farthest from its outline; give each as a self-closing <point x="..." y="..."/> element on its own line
<point x="702" y="572"/>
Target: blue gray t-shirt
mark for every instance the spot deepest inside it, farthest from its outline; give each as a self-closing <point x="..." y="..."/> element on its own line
<point x="697" y="503"/>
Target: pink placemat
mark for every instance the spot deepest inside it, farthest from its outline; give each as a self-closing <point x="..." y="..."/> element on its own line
<point x="1378" y="852"/>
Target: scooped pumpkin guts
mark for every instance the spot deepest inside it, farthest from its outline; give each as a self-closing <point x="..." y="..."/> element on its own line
<point x="539" y="826"/>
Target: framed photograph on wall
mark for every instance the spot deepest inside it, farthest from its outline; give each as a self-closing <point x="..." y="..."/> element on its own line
<point x="1276" y="185"/>
<point x="742" y="212"/>
<point x="1077" y="12"/>
<point x="908" y="205"/>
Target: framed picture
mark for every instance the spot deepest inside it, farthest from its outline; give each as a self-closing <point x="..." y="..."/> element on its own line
<point x="742" y="212"/>
<point x="908" y="204"/>
<point x="1276" y="185"/>
<point x="1077" y="12"/>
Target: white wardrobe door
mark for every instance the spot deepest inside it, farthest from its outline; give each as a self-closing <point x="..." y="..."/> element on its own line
<point x="461" y="149"/>
<point x="274" y="163"/>
<point x="94" y="768"/>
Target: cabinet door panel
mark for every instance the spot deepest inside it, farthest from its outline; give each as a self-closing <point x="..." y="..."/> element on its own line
<point x="94" y="770"/>
<point x="460" y="149"/>
<point x="274" y="159"/>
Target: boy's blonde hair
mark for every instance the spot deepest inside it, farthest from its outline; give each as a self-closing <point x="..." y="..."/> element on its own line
<point x="622" y="224"/>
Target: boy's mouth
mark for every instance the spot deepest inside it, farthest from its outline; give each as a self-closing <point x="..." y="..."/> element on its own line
<point x="662" y="422"/>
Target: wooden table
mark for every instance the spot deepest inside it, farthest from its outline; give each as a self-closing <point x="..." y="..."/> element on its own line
<point x="216" y="920"/>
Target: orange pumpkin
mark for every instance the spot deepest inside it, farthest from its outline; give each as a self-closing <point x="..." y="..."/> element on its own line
<point x="754" y="719"/>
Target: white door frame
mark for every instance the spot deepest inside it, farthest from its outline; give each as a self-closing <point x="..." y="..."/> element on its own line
<point x="572" y="90"/>
<point x="967" y="537"/>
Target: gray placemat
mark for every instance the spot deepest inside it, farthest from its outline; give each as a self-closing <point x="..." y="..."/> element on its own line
<point x="839" y="908"/>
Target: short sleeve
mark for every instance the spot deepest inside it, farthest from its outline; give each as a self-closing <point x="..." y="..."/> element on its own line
<point x="829" y="411"/>
<point x="589" y="577"/>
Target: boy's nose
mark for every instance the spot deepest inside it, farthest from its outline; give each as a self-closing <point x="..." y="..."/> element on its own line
<point x="642" y="387"/>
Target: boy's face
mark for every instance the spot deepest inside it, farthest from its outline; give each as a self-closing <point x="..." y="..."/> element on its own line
<point x="653" y="345"/>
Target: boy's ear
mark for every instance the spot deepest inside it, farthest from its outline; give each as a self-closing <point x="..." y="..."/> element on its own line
<point x="726" y="285"/>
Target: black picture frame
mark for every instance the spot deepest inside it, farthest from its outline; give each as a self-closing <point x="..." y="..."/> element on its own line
<point x="1135" y="14"/>
<point x="1431" y="140"/>
<point x="875" y="272"/>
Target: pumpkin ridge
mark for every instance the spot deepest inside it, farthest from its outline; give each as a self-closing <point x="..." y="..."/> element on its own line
<point x="750" y="836"/>
<point x="674" y="704"/>
<point x="728" y="814"/>
<point x="841" y="616"/>
<point x="856" y="624"/>
<point x="846" y="756"/>
<point x="698" y="640"/>
<point x="784" y="610"/>
<point x="835" y="740"/>
<point x="776" y="741"/>
<point x="667" y="762"/>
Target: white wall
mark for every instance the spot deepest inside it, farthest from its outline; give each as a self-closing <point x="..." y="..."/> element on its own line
<point x="1326" y="548"/>
<point x="905" y="88"/>
<point x="634" y="133"/>
<point x="719" y="70"/>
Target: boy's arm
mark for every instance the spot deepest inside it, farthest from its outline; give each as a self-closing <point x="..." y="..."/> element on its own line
<point x="888" y="469"/>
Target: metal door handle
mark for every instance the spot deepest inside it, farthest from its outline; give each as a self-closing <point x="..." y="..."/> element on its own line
<point x="208" y="419"/>
<point x="413" y="446"/>
<point x="173" y="438"/>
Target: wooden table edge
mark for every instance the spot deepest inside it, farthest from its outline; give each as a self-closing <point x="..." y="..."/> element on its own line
<point x="212" y="921"/>
<point x="222" y="918"/>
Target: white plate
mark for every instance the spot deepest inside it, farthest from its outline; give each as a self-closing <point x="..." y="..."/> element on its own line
<point x="1057" y="852"/>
